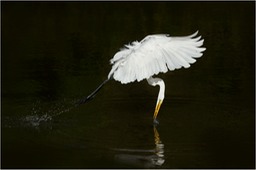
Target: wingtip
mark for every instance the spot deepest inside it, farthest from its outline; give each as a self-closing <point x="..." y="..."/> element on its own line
<point x="194" y="34"/>
<point x="203" y="48"/>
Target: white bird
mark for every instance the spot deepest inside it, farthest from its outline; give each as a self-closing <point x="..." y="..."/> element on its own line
<point x="153" y="55"/>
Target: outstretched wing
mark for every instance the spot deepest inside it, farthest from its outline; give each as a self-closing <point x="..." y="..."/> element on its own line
<point x="155" y="54"/>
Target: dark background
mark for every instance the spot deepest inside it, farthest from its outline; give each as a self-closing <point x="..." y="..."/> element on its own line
<point x="54" y="53"/>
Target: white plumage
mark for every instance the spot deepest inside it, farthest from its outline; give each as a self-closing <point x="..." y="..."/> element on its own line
<point x="155" y="54"/>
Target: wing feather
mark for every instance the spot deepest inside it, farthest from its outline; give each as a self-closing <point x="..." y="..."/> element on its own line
<point x="155" y="54"/>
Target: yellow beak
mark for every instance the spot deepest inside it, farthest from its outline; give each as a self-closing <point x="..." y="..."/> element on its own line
<point x="158" y="105"/>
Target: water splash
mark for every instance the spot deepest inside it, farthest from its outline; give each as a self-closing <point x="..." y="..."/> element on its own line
<point x="41" y="115"/>
<point x="36" y="120"/>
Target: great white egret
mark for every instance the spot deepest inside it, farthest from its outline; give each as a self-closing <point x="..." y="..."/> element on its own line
<point x="152" y="55"/>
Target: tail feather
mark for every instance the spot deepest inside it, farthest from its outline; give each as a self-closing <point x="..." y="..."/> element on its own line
<point x="93" y="94"/>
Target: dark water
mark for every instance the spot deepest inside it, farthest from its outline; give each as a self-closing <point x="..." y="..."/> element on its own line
<point x="55" y="53"/>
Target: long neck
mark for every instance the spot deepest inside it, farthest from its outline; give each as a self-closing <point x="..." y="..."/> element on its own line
<point x="157" y="81"/>
<point x="162" y="89"/>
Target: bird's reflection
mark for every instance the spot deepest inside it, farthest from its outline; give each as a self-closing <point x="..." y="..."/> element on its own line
<point x="143" y="158"/>
<point x="159" y="150"/>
